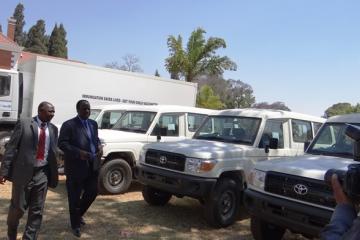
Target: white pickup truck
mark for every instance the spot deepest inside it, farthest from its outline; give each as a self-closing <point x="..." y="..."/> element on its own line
<point x="290" y="193"/>
<point x="137" y="126"/>
<point x="212" y="166"/>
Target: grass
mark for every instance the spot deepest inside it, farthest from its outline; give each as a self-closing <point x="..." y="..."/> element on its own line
<point x="126" y="216"/>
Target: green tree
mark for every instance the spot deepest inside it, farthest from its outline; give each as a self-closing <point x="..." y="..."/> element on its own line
<point x="233" y="93"/>
<point x="340" y="108"/>
<point x="20" y="35"/>
<point x="36" y="39"/>
<point x="0" y="28"/>
<point x="157" y="74"/>
<point x="274" y="105"/>
<point x="57" y="42"/>
<point x="198" y="58"/>
<point x="207" y="99"/>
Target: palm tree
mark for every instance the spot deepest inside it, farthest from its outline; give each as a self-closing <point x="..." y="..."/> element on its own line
<point x="198" y="58"/>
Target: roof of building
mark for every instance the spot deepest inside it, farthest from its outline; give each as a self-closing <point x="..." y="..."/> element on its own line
<point x="8" y="44"/>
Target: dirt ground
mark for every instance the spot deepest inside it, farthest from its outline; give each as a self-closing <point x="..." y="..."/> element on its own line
<point x="127" y="216"/>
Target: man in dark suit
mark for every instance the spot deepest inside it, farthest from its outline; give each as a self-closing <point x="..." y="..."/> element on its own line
<point x="30" y="163"/>
<point x="82" y="149"/>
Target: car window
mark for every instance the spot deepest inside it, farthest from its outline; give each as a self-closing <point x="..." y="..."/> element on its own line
<point x="301" y="130"/>
<point x="194" y="121"/>
<point x="167" y="125"/>
<point x="273" y="129"/>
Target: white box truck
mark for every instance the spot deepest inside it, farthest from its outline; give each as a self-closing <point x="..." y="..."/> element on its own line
<point x="64" y="82"/>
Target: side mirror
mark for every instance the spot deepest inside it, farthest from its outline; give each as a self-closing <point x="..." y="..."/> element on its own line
<point x="274" y="142"/>
<point x="353" y="132"/>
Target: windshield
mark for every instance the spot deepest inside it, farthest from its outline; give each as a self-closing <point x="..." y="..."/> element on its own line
<point x="241" y="130"/>
<point x="94" y="113"/>
<point x="332" y="141"/>
<point x="135" y="121"/>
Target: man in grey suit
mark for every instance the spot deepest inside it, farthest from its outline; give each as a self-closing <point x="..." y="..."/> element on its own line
<point x="81" y="145"/>
<point x="30" y="164"/>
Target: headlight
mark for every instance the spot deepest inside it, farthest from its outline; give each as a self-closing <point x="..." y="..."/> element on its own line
<point x="196" y="165"/>
<point x="257" y="178"/>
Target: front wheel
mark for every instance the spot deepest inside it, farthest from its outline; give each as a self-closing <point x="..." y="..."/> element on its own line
<point x="155" y="196"/>
<point x="115" y="177"/>
<point x="262" y="230"/>
<point x="222" y="206"/>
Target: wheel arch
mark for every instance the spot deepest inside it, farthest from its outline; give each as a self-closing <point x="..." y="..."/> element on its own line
<point x="128" y="156"/>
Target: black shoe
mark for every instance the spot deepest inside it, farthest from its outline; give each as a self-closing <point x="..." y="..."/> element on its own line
<point x="82" y="222"/>
<point x="76" y="232"/>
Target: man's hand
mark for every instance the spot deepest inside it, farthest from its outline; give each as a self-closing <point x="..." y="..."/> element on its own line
<point x="2" y="179"/>
<point x="100" y="151"/>
<point x="84" y="155"/>
<point x="339" y="194"/>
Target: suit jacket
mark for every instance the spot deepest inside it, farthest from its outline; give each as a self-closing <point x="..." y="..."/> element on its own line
<point x="73" y="138"/>
<point x="20" y="153"/>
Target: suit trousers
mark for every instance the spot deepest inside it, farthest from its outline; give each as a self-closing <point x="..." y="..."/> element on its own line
<point x="81" y="194"/>
<point x="30" y="196"/>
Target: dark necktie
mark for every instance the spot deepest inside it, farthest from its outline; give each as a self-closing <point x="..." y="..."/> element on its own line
<point x="41" y="144"/>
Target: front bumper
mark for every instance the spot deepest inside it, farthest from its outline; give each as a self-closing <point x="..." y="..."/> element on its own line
<point x="297" y="217"/>
<point x="175" y="183"/>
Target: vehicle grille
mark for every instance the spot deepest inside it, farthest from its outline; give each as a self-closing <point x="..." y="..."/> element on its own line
<point x="283" y="184"/>
<point x="165" y="159"/>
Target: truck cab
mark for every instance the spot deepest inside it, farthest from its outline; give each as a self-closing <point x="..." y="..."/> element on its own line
<point x="212" y="167"/>
<point x="291" y="192"/>
<point x="138" y="126"/>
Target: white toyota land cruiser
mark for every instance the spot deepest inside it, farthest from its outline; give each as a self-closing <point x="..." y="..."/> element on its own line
<point x="137" y="126"/>
<point x="212" y="166"/>
<point x="291" y="193"/>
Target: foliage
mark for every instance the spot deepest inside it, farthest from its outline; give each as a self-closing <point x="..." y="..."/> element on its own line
<point x="233" y="93"/>
<point x="130" y="64"/>
<point x="341" y="108"/>
<point x="20" y="35"/>
<point x="198" y="58"/>
<point x="274" y="105"/>
<point x="58" y="42"/>
<point x="207" y="99"/>
<point x="0" y="28"/>
<point x="157" y="74"/>
<point x="36" y="39"/>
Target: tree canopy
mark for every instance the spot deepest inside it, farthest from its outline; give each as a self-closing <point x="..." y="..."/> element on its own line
<point x="198" y="58"/>
<point x="57" y="42"/>
<point x="20" y="35"/>
<point x="37" y="41"/>
<point x="207" y="99"/>
<point x="274" y="105"/>
<point x="232" y="93"/>
<point x="130" y="64"/>
<point x="341" y="108"/>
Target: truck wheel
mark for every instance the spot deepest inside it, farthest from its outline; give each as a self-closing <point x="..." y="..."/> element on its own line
<point x="154" y="196"/>
<point x="222" y="206"/>
<point x="4" y="139"/>
<point x="262" y="230"/>
<point x="115" y="177"/>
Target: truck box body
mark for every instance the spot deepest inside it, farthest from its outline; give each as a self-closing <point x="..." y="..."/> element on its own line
<point x="63" y="83"/>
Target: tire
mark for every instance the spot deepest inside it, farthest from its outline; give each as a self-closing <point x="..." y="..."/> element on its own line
<point x="262" y="230"/>
<point x="222" y="206"/>
<point x="4" y="138"/>
<point x="115" y="177"/>
<point x="155" y="197"/>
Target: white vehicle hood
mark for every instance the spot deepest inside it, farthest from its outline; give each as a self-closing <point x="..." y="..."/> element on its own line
<point x="203" y="149"/>
<point x="111" y="136"/>
<point x="311" y="166"/>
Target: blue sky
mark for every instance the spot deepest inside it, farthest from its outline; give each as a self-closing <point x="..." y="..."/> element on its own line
<point x="304" y="53"/>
